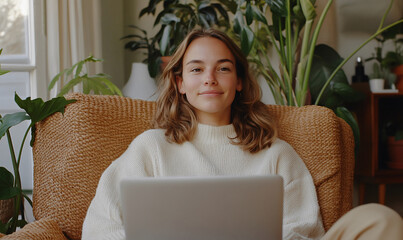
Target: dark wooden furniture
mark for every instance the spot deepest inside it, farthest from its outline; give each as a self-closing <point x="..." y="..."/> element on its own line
<point x="372" y="115"/>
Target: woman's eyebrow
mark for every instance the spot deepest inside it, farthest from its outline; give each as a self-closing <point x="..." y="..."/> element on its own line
<point x="219" y="61"/>
<point x="194" y="61"/>
<point x="225" y="60"/>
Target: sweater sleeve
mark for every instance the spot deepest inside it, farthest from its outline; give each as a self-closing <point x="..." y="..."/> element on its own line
<point x="302" y="219"/>
<point x="104" y="218"/>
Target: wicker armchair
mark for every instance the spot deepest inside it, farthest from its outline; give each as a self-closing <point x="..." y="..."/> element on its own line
<point x="72" y="151"/>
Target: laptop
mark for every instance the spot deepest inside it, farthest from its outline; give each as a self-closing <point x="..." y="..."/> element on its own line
<point x="213" y="208"/>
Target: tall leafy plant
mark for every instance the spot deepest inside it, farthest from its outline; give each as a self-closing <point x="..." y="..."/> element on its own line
<point x="175" y="20"/>
<point x="293" y="37"/>
<point x="306" y="73"/>
<point x="10" y="184"/>
<point x="35" y="110"/>
<point x="384" y="63"/>
<point x="97" y="84"/>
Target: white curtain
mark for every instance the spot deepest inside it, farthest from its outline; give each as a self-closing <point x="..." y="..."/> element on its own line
<point x="73" y="29"/>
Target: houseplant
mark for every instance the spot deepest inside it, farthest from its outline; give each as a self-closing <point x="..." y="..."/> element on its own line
<point x="305" y="73"/>
<point x="10" y="184"/>
<point x="384" y="64"/>
<point x="97" y="84"/>
<point x="175" y="20"/>
<point x="384" y="74"/>
<point x="394" y="59"/>
<point x="392" y="134"/>
<point x="35" y="110"/>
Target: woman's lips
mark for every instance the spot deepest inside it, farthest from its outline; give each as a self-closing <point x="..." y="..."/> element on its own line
<point x="211" y="92"/>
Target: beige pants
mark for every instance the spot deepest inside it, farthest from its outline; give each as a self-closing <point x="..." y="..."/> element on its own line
<point x="370" y="221"/>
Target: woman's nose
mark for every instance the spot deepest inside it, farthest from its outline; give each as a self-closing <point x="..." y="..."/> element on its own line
<point x="210" y="78"/>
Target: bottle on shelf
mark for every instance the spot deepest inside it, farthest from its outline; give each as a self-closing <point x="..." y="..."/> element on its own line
<point x="359" y="72"/>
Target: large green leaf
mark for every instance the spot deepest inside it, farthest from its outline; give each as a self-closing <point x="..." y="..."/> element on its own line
<point x="209" y="14"/>
<point x="339" y="91"/>
<point x="164" y="44"/>
<point x="278" y="7"/>
<point x="56" y="78"/>
<point x="70" y="84"/>
<point x="10" y="120"/>
<point x="154" y="63"/>
<point x="344" y="90"/>
<point x="392" y="32"/>
<point x="247" y="38"/>
<point x="38" y="110"/>
<point x="221" y="10"/>
<point x="150" y="9"/>
<point x="6" y="178"/>
<point x="259" y="15"/>
<point x="249" y="14"/>
<point x="7" y="189"/>
<point x="232" y="5"/>
<point x="238" y="22"/>
<point x="170" y="17"/>
<point x="308" y="9"/>
<point x="346" y="115"/>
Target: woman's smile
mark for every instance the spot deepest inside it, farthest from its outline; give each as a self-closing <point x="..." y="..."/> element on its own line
<point x="211" y="93"/>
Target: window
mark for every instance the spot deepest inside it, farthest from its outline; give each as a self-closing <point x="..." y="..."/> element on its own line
<point x="23" y="42"/>
<point x="14" y="33"/>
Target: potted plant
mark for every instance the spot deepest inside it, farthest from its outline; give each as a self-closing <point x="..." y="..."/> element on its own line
<point x="394" y="143"/>
<point x="386" y="64"/>
<point x="394" y="59"/>
<point x="10" y="184"/>
<point x="175" y="20"/>
<point x="381" y="74"/>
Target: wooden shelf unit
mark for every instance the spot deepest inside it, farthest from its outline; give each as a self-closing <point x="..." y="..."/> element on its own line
<point x="372" y="114"/>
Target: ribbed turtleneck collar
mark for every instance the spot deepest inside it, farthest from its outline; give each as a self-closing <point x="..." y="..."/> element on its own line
<point x="208" y="133"/>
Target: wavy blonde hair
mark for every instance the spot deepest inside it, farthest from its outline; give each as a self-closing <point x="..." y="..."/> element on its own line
<point x="252" y="122"/>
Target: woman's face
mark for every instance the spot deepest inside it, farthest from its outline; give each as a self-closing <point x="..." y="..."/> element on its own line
<point x="209" y="80"/>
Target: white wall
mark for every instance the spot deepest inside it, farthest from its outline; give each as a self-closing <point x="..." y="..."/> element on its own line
<point x="112" y="47"/>
<point x="131" y="17"/>
<point x="356" y="21"/>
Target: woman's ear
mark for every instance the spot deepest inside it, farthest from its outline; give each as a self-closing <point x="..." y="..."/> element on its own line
<point x="239" y="85"/>
<point x="179" y="83"/>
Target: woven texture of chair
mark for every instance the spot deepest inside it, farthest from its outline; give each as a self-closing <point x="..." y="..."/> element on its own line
<point x="72" y="151"/>
<point x="38" y="230"/>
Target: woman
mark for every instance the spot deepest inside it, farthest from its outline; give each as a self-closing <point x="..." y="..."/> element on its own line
<point x="209" y="121"/>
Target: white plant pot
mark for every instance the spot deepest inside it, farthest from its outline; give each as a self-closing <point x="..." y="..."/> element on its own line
<point x="140" y="85"/>
<point x="376" y="84"/>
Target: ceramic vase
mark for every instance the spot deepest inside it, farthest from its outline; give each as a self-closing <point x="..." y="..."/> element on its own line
<point x="140" y="85"/>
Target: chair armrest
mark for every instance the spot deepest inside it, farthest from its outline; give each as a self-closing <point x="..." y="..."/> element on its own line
<point x="41" y="229"/>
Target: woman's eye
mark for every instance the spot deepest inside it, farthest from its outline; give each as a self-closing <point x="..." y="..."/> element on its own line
<point x="195" y="70"/>
<point x="224" y="69"/>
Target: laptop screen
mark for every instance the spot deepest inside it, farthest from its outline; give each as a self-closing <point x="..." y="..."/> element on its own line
<point x="203" y="207"/>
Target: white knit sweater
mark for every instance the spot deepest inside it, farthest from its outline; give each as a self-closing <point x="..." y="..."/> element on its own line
<point x="210" y="153"/>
